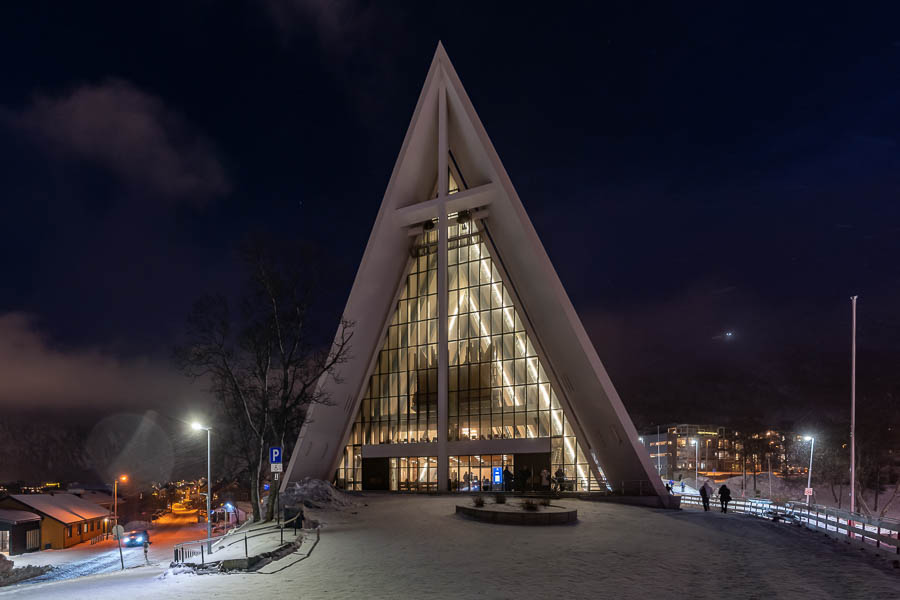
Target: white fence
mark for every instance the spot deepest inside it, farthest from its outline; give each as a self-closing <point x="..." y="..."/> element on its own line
<point x="882" y="534"/>
<point x="189" y="552"/>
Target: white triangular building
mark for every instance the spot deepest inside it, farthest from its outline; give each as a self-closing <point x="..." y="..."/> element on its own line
<point x="466" y="351"/>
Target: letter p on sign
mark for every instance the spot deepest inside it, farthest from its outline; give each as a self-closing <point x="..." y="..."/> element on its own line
<point x="275" y="455"/>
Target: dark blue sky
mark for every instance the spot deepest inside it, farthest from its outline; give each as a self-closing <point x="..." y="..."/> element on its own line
<point x="690" y="168"/>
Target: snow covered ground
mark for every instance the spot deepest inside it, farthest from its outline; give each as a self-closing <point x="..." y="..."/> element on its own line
<point x="389" y="546"/>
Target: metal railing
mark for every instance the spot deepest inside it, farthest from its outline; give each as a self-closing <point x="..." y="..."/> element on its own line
<point x="880" y="533"/>
<point x="185" y="551"/>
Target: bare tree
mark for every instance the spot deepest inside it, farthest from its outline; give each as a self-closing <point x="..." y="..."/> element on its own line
<point x="264" y="364"/>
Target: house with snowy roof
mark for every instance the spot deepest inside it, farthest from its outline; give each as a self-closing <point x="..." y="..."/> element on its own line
<point x="20" y="531"/>
<point x="65" y="519"/>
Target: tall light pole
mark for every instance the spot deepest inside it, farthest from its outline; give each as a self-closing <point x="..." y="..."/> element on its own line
<point x="853" y="408"/>
<point x="658" y="454"/>
<point x="696" y="463"/>
<point x="812" y="445"/>
<point x="197" y="426"/>
<point x="123" y="479"/>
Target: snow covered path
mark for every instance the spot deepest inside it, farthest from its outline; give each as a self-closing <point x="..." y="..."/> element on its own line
<point x="411" y="546"/>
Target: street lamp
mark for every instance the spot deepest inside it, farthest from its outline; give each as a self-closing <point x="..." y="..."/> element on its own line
<point x="196" y="427"/>
<point x="123" y="479"/>
<point x="812" y="444"/>
<point x="696" y="463"/>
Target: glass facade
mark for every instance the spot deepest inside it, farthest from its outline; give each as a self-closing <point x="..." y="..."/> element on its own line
<point x="400" y="403"/>
<point x="413" y="474"/>
<point x="497" y="386"/>
<point x="473" y="473"/>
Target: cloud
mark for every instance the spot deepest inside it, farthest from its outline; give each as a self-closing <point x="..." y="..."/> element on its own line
<point x="36" y="375"/>
<point x="133" y="134"/>
<point x="360" y="44"/>
<point x="339" y="24"/>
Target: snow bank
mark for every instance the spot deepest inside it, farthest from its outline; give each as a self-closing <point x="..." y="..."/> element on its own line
<point x="315" y="493"/>
<point x="10" y="575"/>
<point x="179" y="570"/>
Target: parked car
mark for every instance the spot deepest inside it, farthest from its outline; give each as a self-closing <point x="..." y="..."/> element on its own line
<point x="136" y="538"/>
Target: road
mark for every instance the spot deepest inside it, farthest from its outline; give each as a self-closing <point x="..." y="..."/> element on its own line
<point x="86" y="559"/>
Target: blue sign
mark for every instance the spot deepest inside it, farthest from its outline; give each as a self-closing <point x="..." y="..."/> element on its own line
<point x="497" y="476"/>
<point x="266" y="486"/>
<point x="275" y="455"/>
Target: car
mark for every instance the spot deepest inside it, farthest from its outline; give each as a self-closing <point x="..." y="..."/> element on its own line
<point x="136" y="538"/>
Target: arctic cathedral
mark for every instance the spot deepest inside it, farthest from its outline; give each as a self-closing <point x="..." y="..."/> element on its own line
<point x="467" y="353"/>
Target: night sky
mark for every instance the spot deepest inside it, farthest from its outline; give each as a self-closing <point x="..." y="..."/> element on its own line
<point x="691" y="170"/>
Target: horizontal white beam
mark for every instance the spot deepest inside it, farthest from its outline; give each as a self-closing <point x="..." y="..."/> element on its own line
<point x="465" y="200"/>
<point x="461" y="447"/>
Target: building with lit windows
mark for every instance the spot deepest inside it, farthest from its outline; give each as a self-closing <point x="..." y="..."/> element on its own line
<point x="718" y="450"/>
<point x="467" y="353"/>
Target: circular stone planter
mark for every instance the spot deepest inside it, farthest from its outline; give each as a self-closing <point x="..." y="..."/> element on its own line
<point x="512" y="514"/>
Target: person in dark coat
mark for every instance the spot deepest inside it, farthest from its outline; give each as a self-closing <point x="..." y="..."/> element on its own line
<point x="507" y="479"/>
<point x="724" y="497"/>
<point x="705" y="491"/>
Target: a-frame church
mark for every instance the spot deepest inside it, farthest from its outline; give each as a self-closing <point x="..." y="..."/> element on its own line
<point x="467" y="353"/>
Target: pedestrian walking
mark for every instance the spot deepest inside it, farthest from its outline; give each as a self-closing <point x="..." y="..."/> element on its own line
<point x="705" y="493"/>
<point x="724" y="497"/>
<point x="507" y="479"/>
<point x="545" y="479"/>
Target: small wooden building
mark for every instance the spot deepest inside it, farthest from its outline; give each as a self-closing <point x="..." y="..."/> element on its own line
<point x="66" y="519"/>
<point x="20" y="531"/>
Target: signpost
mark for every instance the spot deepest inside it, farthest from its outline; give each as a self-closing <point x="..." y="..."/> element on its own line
<point x="808" y="492"/>
<point x="119" y="531"/>
<point x="275" y="460"/>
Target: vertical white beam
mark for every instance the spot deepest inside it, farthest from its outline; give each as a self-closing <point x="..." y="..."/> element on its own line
<point x="443" y="355"/>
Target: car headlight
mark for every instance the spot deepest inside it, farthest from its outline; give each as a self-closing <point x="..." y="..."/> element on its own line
<point x="139" y="538"/>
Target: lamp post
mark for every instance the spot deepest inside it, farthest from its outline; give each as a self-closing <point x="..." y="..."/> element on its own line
<point x="696" y="463"/>
<point x="812" y="445"/>
<point x="123" y="479"/>
<point x="196" y="427"/>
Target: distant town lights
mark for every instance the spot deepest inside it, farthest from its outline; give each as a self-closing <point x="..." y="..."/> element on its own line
<point x="729" y="333"/>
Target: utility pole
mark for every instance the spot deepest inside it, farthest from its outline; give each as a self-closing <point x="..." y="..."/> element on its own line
<point x="812" y="446"/>
<point x="769" y="461"/>
<point x="658" y="454"/>
<point x="853" y="408"/>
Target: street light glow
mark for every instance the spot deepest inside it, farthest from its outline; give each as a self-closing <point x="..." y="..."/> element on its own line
<point x="196" y="426"/>
<point x="123" y="478"/>
<point x="808" y="438"/>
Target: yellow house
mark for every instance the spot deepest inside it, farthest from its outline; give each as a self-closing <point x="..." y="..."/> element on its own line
<point x="66" y="519"/>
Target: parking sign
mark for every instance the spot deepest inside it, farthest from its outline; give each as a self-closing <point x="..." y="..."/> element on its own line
<point x="275" y="455"/>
